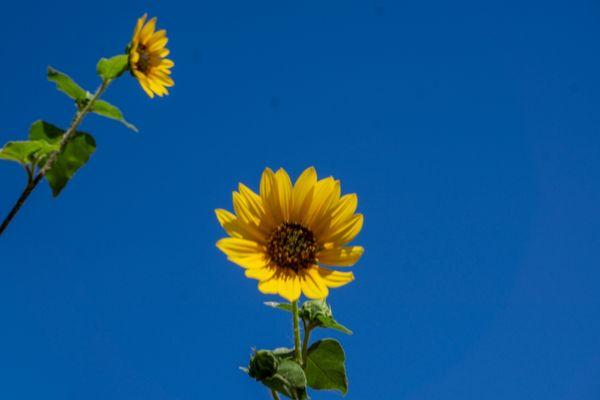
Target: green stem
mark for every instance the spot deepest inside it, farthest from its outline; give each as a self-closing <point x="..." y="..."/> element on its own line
<point x="275" y="395"/>
<point x="31" y="185"/>
<point x="305" y="340"/>
<point x="297" y="351"/>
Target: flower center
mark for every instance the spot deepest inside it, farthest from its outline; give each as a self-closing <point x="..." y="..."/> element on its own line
<point x="292" y="246"/>
<point x="143" y="64"/>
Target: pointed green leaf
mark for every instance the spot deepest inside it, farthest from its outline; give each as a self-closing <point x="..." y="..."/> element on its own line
<point x="111" y="68"/>
<point x="107" y="110"/>
<point x="328" y="322"/>
<point x="325" y="369"/>
<point x="281" y="306"/>
<point x="65" y="84"/>
<point x="26" y="152"/>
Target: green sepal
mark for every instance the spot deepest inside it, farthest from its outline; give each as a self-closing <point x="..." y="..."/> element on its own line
<point x="282" y="306"/>
<point x="65" y="84"/>
<point x="75" y="154"/>
<point x="325" y="368"/>
<point x="107" y="110"/>
<point x="111" y="68"/>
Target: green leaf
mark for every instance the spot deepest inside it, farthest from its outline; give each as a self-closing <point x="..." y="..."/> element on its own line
<point x="107" y="110"/>
<point x="42" y="130"/>
<point x="75" y="154"/>
<point x="325" y="369"/>
<point x="65" y="84"/>
<point x="289" y="380"/>
<point x="282" y="306"/>
<point x="26" y="152"/>
<point x="111" y="68"/>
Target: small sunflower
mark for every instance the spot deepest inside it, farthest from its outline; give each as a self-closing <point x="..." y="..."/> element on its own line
<point x="147" y="60"/>
<point x="281" y="235"/>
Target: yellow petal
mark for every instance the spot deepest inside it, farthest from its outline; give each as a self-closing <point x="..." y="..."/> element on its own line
<point x="289" y="286"/>
<point x="239" y="248"/>
<point x="269" y="287"/>
<point x="346" y="232"/>
<point x="144" y="84"/>
<point x="341" y="256"/>
<point x="228" y="222"/>
<point x="251" y="262"/>
<point x="243" y="210"/>
<point x="167" y="63"/>
<point x="312" y="284"/>
<point x="148" y="30"/>
<point x="162" y="77"/>
<point x="254" y="205"/>
<point x="326" y="192"/>
<point x="237" y="228"/>
<point x="284" y="191"/>
<point x="262" y="274"/>
<point x="269" y="196"/>
<point x="252" y="200"/>
<point x="339" y="215"/>
<point x="335" y="279"/>
<point x="344" y="209"/>
<point x="138" y="27"/>
<point x="156" y="36"/>
<point x="157" y="45"/>
<point x="302" y="193"/>
<point x="155" y="87"/>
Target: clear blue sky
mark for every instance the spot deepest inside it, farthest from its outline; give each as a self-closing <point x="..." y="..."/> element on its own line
<point x="469" y="130"/>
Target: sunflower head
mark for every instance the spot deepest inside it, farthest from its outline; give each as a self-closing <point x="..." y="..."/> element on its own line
<point x="284" y="234"/>
<point x="147" y="60"/>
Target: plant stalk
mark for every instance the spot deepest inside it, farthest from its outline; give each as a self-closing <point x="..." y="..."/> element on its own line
<point x="297" y="350"/>
<point x="32" y="184"/>
<point x="275" y="395"/>
<point x="305" y="340"/>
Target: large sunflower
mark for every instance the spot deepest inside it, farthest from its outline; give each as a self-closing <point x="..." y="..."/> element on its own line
<point x="281" y="235"/>
<point x="147" y="60"/>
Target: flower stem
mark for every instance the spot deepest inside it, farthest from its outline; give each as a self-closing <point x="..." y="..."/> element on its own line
<point x="297" y="350"/>
<point x="275" y="395"/>
<point x="305" y="340"/>
<point x="32" y="183"/>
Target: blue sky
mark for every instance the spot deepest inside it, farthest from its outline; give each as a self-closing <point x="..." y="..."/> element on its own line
<point x="469" y="130"/>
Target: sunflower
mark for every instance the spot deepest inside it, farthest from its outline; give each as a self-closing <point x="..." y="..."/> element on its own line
<point x="281" y="235"/>
<point x="147" y="60"/>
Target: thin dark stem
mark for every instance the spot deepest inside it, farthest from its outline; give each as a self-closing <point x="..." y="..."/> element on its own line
<point x="32" y="183"/>
<point x="275" y="395"/>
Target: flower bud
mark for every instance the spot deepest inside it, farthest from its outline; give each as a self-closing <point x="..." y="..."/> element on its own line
<point x="263" y="364"/>
<point x="311" y="310"/>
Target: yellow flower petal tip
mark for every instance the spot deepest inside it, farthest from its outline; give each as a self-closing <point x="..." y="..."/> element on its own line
<point x="283" y="235"/>
<point x="147" y="58"/>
